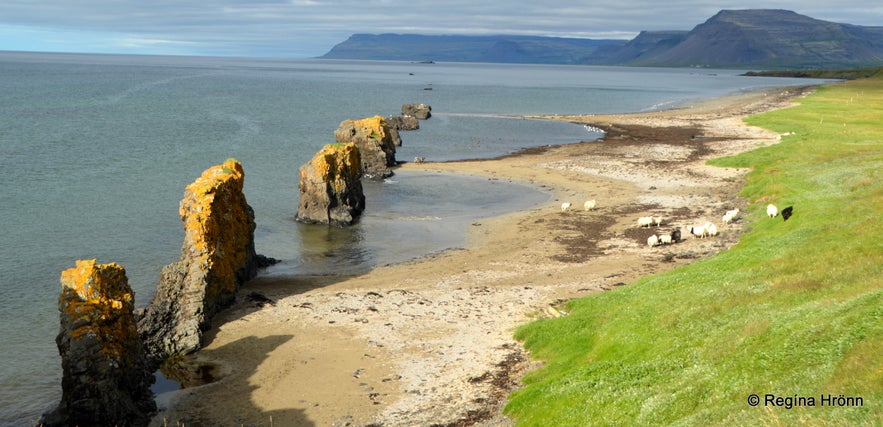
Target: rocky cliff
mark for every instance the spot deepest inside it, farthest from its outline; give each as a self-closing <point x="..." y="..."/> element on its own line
<point x="330" y="187"/>
<point x="217" y="257"/>
<point x="374" y="141"/>
<point x="106" y="378"/>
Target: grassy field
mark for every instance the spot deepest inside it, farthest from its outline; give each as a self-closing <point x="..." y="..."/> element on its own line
<point x="793" y="313"/>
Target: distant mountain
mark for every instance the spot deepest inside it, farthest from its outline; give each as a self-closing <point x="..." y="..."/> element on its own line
<point x="758" y="38"/>
<point x="511" y="49"/>
<point x="646" y="44"/>
<point x="770" y="39"/>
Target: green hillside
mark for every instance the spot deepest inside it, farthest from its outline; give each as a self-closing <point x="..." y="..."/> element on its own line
<point x="793" y="311"/>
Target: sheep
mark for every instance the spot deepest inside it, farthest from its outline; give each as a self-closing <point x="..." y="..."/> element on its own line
<point x="676" y="235"/>
<point x="652" y="241"/>
<point x="699" y="232"/>
<point x="771" y="210"/>
<point x="645" y="221"/>
<point x="730" y="216"/>
<point x="665" y="239"/>
<point x="710" y="228"/>
<point x="786" y="213"/>
<point x="589" y="205"/>
<point x="565" y="206"/>
<point x="657" y="220"/>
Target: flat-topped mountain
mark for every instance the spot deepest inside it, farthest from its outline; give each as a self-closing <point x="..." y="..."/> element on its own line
<point x="508" y="49"/>
<point x="754" y="38"/>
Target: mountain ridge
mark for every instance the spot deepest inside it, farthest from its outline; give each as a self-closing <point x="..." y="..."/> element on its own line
<point x="748" y="38"/>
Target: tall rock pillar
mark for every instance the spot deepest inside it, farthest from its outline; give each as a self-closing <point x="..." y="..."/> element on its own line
<point x="330" y="188"/>
<point x="217" y="257"/>
<point x="106" y="378"/>
<point x="374" y="140"/>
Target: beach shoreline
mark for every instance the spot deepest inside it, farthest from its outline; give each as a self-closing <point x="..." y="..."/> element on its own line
<point x="429" y="341"/>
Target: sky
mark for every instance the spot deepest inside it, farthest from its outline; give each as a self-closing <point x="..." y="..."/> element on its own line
<point x="310" y="28"/>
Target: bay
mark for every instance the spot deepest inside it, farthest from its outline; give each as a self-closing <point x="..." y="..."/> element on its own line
<point x="96" y="150"/>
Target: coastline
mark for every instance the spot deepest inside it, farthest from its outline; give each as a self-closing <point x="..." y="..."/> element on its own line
<point x="430" y="341"/>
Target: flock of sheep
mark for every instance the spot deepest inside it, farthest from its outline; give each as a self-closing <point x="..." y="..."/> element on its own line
<point x="700" y="231"/>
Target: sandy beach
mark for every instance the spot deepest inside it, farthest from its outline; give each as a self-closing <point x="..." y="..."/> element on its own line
<point x="430" y="341"/>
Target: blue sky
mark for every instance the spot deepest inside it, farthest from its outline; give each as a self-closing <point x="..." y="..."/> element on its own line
<point x="309" y="28"/>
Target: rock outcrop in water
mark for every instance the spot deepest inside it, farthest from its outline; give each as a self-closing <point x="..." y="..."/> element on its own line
<point x="106" y="378"/>
<point x="374" y="141"/>
<point x="217" y="257"/>
<point x="420" y="111"/>
<point x="398" y="123"/>
<point x="330" y="187"/>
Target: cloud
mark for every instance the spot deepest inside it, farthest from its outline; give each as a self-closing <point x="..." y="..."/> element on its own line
<point x="312" y="27"/>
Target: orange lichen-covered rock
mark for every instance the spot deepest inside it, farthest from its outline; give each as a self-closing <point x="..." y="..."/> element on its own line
<point x="375" y="142"/>
<point x="330" y="187"/>
<point x="106" y="378"/>
<point x="217" y="257"/>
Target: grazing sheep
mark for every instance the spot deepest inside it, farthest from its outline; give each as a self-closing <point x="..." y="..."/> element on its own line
<point x="589" y="205"/>
<point x="786" y="213"/>
<point x="652" y="241"/>
<point x="772" y="210"/>
<point x="665" y="239"/>
<point x="565" y="206"/>
<point x="730" y="216"/>
<point x="710" y="228"/>
<point x="699" y="232"/>
<point x="657" y="220"/>
<point x="676" y="235"/>
<point x="645" y="221"/>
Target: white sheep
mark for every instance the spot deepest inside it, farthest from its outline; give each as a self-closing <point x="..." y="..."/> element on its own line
<point x="699" y="232"/>
<point x="665" y="239"/>
<point x="645" y="221"/>
<point x="652" y="241"/>
<point x="710" y="229"/>
<point x="771" y="210"/>
<point x="565" y="206"/>
<point x="657" y="220"/>
<point x="589" y="205"/>
<point x="730" y="216"/>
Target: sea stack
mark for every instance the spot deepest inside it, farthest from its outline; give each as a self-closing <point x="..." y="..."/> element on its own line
<point x="106" y="378"/>
<point x="400" y="123"/>
<point x="330" y="186"/>
<point x="217" y="257"/>
<point x="374" y="141"/>
<point x="420" y="111"/>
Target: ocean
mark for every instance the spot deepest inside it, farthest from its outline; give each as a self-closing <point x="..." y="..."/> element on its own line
<point x="95" y="152"/>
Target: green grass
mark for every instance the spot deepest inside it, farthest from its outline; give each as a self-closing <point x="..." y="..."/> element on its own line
<point x="795" y="308"/>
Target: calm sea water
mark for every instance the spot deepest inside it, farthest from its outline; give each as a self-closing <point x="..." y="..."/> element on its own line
<point x="95" y="152"/>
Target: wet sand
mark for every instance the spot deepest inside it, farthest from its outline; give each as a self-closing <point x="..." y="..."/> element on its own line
<point x="430" y="341"/>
